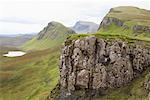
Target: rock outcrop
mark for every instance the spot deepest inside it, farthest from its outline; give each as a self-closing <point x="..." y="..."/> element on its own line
<point x="96" y="63"/>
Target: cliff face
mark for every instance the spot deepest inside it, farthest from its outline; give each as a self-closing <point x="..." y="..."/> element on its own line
<point x="94" y="63"/>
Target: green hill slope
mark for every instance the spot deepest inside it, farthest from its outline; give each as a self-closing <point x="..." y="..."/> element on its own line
<point x="29" y="77"/>
<point x="52" y="35"/>
<point x="128" y="21"/>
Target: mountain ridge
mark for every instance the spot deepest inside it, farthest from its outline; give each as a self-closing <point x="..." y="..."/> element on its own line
<point x="52" y="35"/>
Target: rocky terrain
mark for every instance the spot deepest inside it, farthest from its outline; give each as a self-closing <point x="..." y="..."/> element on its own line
<point x="85" y="27"/>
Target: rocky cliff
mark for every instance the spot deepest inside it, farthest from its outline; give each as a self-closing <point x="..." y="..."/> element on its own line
<point x="93" y="63"/>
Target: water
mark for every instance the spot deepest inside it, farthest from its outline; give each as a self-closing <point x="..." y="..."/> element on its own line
<point x="14" y="54"/>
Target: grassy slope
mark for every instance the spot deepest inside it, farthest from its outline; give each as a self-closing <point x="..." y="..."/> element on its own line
<point x="50" y="36"/>
<point x="35" y="44"/>
<point x="131" y="15"/>
<point x="29" y="77"/>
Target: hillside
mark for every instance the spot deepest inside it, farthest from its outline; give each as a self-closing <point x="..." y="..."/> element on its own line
<point x="52" y="35"/>
<point x="85" y="27"/>
<point x="29" y="77"/>
<point x="127" y="20"/>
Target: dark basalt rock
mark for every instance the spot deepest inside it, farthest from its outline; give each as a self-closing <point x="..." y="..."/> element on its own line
<point x="140" y="29"/>
<point x="109" y="21"/>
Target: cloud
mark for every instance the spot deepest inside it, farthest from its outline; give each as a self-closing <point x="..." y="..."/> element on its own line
<point x="18" y="16"/>
<point x="19" y="20"/>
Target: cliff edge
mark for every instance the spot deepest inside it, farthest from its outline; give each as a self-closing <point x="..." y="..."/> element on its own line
<point x="96" y="64"/>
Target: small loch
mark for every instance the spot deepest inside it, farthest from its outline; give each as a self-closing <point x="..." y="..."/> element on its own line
<point x="14" y="54"/>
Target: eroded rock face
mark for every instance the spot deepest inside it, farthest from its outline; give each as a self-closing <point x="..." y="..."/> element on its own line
<point x="140" y="28"/>
<point x="94" y="63"/>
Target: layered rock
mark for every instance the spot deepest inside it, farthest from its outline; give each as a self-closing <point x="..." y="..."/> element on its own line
<point x="94" y="63"/>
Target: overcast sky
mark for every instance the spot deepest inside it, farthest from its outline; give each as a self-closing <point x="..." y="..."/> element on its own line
<point x="30" y="16"/>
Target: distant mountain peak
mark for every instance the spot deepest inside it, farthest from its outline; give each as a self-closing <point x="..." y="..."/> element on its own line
<point x="85" y="27"/>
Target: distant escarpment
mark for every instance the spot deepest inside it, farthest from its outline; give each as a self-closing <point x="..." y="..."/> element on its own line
<point x="128" y="20"/>
<point x="95" y="64"/>
<point x="85" y="27"/>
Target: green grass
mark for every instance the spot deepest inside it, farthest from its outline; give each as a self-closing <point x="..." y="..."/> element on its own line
<point x="35" y="44"/>
<point x="132" y="15"/>
<point x="110" y="36"/>
<point x="32" y="77"/>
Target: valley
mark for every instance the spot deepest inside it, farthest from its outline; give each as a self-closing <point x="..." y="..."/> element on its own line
<point x="110" y="61"/>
